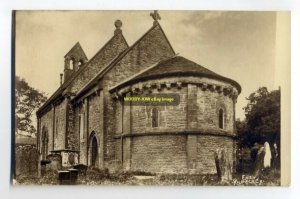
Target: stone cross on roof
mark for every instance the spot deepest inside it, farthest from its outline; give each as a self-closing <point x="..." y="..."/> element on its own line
<point x="155" y="17"/>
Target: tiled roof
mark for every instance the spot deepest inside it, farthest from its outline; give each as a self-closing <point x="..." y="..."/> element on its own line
<point x="59" y="91"/>
<point x="117" y="59"/>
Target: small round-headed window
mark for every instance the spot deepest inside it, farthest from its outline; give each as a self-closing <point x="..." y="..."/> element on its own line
<point x="154" y="117"/>
<point x="221" y="118"/>
<point x="72" y="63"/>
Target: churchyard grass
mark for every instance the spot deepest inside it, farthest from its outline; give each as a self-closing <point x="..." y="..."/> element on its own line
<point x="268" y="177"/>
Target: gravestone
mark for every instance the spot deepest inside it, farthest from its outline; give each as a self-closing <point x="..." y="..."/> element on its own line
<point x="55" y="162"/>
<point x="43" y="166"/>
<point x="64" y="177"/>
<point x="223" y="165"/>
<point x="68" y="177"/>
<point x="73" y="175"/>
<point x="26" y="160"/>
<point x="268" y="155"/>
<point x="81" y="168"/>
<point x="259" y="162"/>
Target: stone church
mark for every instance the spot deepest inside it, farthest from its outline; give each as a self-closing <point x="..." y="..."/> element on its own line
<point x="86" y="121"/>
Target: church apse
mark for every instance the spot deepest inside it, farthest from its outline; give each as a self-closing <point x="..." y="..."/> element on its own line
<point x="88" y="117"/>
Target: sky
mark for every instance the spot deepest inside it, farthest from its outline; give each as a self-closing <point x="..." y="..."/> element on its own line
<point x="242" y="46"/>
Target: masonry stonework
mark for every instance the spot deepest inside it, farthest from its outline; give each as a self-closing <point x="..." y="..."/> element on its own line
<point x="87" y="117"/>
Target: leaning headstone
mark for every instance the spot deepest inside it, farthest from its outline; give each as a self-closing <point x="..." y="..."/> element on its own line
<point x="226" y="167"/>
<point x="223" y="166"/>
<point x="259" y="162"/>
<point x="217" y="162"/>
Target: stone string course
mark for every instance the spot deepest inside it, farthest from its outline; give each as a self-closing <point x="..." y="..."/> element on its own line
<point x="204" y="84"/>
<point x="114" y="125"/>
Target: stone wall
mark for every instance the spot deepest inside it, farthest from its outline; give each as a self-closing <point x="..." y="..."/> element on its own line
<point x="159" y="154"/>
<point x="169" y="117"/>
<point x="95" y="122"/>
<point x="77" y="112"/>
<point x="81" y="114"/>
<point x="26" y="162"/>
<point x="72" y="142"/>
<point x="162" y="155"/>
<point x="209" y="104"/>
<point x="115" y="46"/>
<point x="187" y="134"/>
<point x="177" y="154"/>
<point x="180" y="151"/>
<point x="206" y="145"/>
<point x="151" y="48"/>
<point x="47" y="122"/>
<point x="60" y="125"/>
<point x="198" y="110"/>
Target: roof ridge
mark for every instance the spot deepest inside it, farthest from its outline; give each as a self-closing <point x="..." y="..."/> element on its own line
<point x="79" y="45"/>
<point x="118" y="58"/>
<point x="88" y="62"/>
<point x="74" y="75"/>
<point x="83" y="88"/>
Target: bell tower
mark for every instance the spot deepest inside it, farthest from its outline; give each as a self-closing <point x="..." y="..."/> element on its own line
<point x="74" y="59"/>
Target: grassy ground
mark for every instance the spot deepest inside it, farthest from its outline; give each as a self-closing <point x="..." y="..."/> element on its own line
<point x="103" y="177"/>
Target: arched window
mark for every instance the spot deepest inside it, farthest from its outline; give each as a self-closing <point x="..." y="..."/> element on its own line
<point x="72" y="63"/>
<point x="154" y="117"/>
<point x="93" y="150"/>
<point x="221" y="118"/>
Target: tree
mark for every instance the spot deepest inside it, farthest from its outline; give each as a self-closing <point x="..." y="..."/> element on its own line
<point x="28" y="100"/>
<point x="262" y="122"/>
<point x="263" y="116"/>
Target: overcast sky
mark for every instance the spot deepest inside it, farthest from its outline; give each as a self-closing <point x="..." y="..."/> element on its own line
<point x="238" y="45"/>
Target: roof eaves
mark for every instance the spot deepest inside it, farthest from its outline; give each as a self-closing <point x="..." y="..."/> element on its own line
<point x="68" y="82"/>
<point x="111" y="64"/>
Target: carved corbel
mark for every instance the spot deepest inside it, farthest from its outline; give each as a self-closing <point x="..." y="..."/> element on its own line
<point x="219" y="89"/>
<point x="212" y="87"/>
<point x="204" y="86"/>
<point x="179" y="85"/>
<point x="158" y="86"/>
<point x="168" y="85"/>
